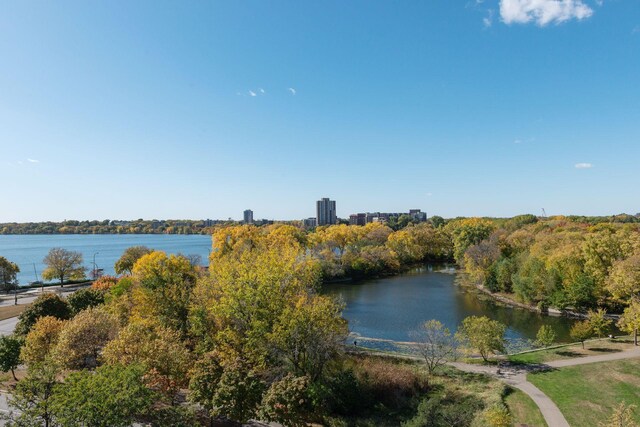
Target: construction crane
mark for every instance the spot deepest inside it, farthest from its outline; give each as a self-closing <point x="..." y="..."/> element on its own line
<point x="544" y="213"/>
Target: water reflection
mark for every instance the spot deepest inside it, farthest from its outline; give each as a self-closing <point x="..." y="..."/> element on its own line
<point x="389" y="308"/>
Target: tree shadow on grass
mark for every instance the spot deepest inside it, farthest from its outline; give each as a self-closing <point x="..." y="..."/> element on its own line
<point x="605" y="350"/>
<point x="569" y="353"/>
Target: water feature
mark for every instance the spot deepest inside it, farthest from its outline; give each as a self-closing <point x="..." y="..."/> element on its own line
<point x="28" y="251"/>
<point x="389" y="308"/>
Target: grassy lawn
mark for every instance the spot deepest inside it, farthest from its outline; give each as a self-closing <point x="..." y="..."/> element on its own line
<point x="524" y="410"/>
<point x="9" y="311"/>
<point x="592" y="348"/>
<point x="587" y="394"/>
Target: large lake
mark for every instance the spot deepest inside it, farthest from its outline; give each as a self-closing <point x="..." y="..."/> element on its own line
<point x="385" y="308"/>
<point x="28" y="251"/>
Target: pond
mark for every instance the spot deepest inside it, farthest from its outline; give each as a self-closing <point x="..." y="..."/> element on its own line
<point x="389" y="308"/>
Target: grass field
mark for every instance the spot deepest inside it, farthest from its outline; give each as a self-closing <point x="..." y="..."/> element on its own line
<point x="524" y="410"/>
<point x="592" y="348"/>
<point x="587" y="394"/>
<point x="9" y="311"/>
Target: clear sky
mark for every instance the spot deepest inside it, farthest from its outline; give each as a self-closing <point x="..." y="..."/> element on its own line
<point x="152" y="109"/>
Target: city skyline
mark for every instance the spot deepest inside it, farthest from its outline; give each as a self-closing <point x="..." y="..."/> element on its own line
<point x="484" y="108"/>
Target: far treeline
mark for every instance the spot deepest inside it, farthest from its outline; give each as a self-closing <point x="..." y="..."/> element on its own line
<point x="154" y="226"/>
<point x="107" y="226"/>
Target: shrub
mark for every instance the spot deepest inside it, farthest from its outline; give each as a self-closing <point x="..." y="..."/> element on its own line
<point x="104" y="283"/>
<point x="286" y="402"/>
<point x="393" y="384"/>
<point x="448" y="410"/>
<point x="85" y="298"/>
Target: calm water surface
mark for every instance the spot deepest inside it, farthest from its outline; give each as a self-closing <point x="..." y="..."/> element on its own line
<point x="27" y="250"/>
<point x="389" y="308"/>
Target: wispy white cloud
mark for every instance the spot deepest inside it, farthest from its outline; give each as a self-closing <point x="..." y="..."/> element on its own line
<point x="543" y="12"/>
<point x="292" y="90"/>
<point x="33" y="161"/>
<point x="252" y="93"/>
<point x="429" y="194"/>
<point x="262" y="91"/>
<point x="583" y="165"/>
<point x="517" y="141"/>
<point x="487" y="21"/>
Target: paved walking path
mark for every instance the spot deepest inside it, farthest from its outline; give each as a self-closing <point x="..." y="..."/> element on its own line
<point x="516" y="376"/>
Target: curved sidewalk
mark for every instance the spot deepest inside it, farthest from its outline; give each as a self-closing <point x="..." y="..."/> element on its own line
<point x="516" y="376"/>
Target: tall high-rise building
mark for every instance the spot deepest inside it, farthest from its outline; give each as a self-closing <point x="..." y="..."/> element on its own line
<point x="248" y="216"/>
<point x="326" y="210"/>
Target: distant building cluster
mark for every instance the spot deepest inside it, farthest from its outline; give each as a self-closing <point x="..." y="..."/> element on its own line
<point x="326" y="215"/>
<point x="383" y="217"/>
<point x="247" y="218"/>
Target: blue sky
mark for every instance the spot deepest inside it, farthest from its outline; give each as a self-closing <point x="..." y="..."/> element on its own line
<point x="150" y="109"/>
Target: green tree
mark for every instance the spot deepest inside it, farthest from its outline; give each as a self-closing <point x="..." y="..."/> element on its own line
<point x="581" y="331"/>
<point x="33" y="395"/>
<point x="111" y="396"/>
<point x="483" y="335"/>
<point x="436" y="344"/>
<point x="239" y="393"/>
<point x="286" y="402"/>
<point x="8" y="274"/>
<point x="309" y="334"/>
<point x="437" y="221"/>
<point x="131" y="255"/>
<point x="63" y="264"/>
<point x="205" y="376"/>
<point x="467" y="232"/>
<point x="599" y="322"/>
<point x="630" y="320"/>
<point x="10" y="346"/>
<point x="545" y="336"/>
<point x="44" y="305"/>
<point x="84" y="298"/>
